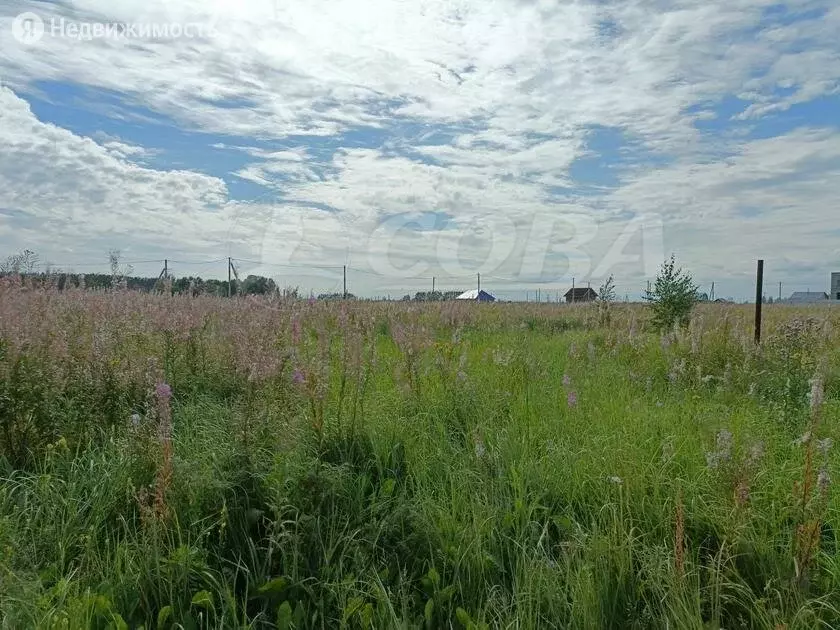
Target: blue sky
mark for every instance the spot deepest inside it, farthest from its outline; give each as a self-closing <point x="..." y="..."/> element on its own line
<point x="533" y="142"/>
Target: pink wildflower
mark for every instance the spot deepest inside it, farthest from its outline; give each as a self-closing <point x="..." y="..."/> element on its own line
<point x="571" y="399"/>
<point x="163" y="391"/>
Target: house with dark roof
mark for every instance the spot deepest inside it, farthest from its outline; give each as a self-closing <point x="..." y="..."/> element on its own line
<point x="807" y="297"/>
<point x="585" y="294"/>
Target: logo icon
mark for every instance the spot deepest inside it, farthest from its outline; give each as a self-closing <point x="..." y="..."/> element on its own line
<point x="28" y="28"/>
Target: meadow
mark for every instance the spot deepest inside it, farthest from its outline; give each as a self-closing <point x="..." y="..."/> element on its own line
<point x="202" y="462"/>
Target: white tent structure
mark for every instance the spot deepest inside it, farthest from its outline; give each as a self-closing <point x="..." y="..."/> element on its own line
<point x="476" y="295"/>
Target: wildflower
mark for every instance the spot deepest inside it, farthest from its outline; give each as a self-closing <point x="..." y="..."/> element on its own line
<point x="823" y="480"/>
<point x="296" y="331"/>
<point x="298" y="378"/>
<point x="803" y="439"/>
<point x="824" y="446"/>
<point x="816" y="395"/>
<point x="567" y="380"/>
<point x="135" y="420"/>
<point x="480" y="449"/>
<point x="723" y="450"/>
<point x="164" y="473"/>
<point x="461" y="376"/>
<point x="571" y="399"/>
<point x="616" y="480"/>
<point x="163" y="391"/>
<point x="502" y="358"/>
<point x="742" y="493"/>
<point x="724" y="442"/>
<point x="755" y="454"/>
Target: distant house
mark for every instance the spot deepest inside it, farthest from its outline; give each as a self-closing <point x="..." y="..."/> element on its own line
<point x="580" y="295"/>
<point x="807" y="297"/>
<point x="476" y="295"/>
<point x="835" y="285"/>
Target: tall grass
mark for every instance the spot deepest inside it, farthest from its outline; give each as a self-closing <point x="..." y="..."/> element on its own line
<point x="202" y="462"/>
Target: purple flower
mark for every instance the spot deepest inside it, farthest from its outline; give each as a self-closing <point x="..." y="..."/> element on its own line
<point x="567" y="380"/>
<point x="571" y="399"/>
<point x="298" y="378"/>
<point x="163" y="391"/>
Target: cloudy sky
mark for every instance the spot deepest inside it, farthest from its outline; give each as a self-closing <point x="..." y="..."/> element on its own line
<point x="531" y="141"/>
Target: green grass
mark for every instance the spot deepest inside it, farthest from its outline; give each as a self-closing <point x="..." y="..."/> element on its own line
<point x="429" y="473"/>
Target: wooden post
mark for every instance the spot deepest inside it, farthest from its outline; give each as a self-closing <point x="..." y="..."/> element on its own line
<point x="478" y="295"/>
<point x="229" y="282"/>
<point x="780" y="292"/>
<point x="759" y="281"/>
<point x="573" y="290"/>
<point x="433" y="287"/>
<point x="345" y="281"/>
<point x="165" y="268"/>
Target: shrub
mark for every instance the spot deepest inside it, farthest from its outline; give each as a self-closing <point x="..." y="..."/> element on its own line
<point x="673" y="297"/>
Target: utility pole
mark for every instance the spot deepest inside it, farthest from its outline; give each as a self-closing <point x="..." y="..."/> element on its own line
<point x="230" y="265"/>
<point x="478" y="295"/>
<point x="345" y="281"/>
<point x="712" y="294"/>
<point x="780" y="292"/>
<point x="165" y="268"/>
<point x="573" y="290"/>
<point x="433" y="287"/>
<point x="759" y="280"/>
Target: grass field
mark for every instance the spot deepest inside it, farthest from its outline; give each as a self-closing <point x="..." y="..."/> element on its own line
<point x="178" y="462"/>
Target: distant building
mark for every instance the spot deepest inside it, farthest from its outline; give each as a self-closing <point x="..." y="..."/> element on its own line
<point x="807" y="297"/>
<point x="580" y="295"/>
<point x="835" y="285"/>
<point x="476" y="295"/>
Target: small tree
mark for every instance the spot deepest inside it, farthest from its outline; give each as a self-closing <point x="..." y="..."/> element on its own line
<point x="606" y="296"/>
<point x="119" y="273"/>
<point x="25" y="262"/>
<point x="673" y="297"/>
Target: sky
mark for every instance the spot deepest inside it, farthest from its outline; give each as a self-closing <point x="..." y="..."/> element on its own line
<point x="530" y="141"/>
